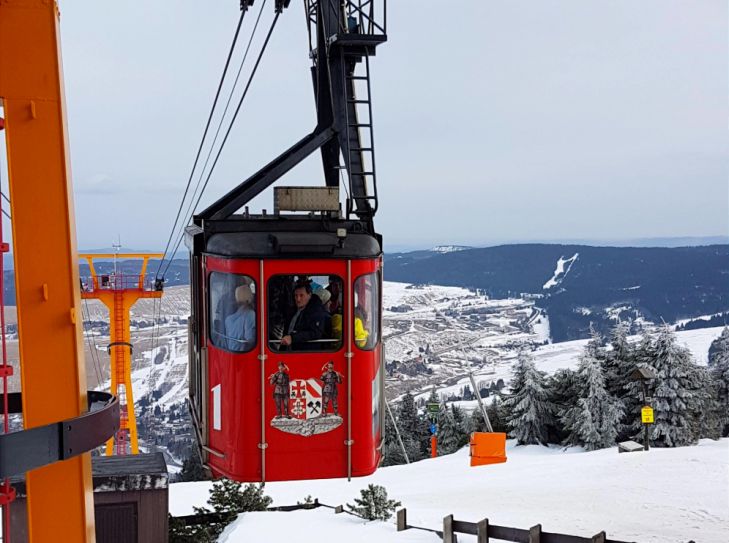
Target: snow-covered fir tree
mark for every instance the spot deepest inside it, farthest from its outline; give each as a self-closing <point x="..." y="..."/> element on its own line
<point x="678" y="393"/>
<point x="392" y="451"/>
<point x="719" y="348"/>
<point x="594" y="421"/>
<point x="644" y="355"/>
<point x="563" y="394"/>
<point x="720" y="380"/>
<point x="413" y="429"/>
<point x="461" y="424"/>
<point x="449" y="434"/>
<point x="619" y="362"/>
<point x="530" y="412"/>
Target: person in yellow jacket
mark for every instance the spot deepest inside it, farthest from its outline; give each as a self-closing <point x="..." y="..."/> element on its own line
<point x="360" y="332"/>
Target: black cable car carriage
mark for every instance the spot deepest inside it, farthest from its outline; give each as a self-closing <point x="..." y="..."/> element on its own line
<point x="286" y="363"/>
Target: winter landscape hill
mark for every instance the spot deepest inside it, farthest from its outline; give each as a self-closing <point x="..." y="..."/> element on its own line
<point x="577" y="285"/>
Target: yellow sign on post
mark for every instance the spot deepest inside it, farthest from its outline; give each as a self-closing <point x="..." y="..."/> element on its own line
<point x="647" y="415"/>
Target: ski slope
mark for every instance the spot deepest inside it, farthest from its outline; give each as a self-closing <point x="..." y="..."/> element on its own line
<point x="660" y="496"/>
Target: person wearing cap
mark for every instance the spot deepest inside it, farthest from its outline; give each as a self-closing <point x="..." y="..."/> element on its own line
<point x="240" y="327"/>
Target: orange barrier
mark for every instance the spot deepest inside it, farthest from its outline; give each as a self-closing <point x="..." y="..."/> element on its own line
<point x="487" y="448"/>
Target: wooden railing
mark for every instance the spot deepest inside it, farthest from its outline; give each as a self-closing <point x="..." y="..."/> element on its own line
<point x="484" y="530"/>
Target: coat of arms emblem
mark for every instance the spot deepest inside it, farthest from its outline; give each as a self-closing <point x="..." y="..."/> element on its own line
<point x="306" y="410"/>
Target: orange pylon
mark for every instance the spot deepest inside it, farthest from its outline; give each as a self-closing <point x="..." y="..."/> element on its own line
<point x="119" y="293"/>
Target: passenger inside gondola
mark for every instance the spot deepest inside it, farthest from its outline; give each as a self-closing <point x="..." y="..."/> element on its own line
<point x="240" y="327"/>
<point x="233" y="312"/>
<point x="305" y="324"/>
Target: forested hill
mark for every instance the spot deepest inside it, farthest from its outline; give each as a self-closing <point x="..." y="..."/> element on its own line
<point x="595" y="283"/>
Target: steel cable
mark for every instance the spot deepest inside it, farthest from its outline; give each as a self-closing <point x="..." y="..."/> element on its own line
<point x="220" y="125"/>
<point x="227" y="133"/>
<point x="202" y="140"/>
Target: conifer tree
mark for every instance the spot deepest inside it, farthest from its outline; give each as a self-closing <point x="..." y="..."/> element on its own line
<point x="530" y="412"/>
<point x="593" y="422"/>
<point x="373" y="503"/>
<point x="563" y="392"/>
<point x="677" y="393"/>
<point x="719" y="348"/>
<point x="720" y="377"/>
<point x="413" y="431"/>
<point x="619" y="363"/>
<point x="476" y="422"/>
<point x="644" y="356"/>
<point x="448" y="436"/>
<point x="498" y="414"/>
<point x="461" y="424"/>
<point x="392" y="452"/>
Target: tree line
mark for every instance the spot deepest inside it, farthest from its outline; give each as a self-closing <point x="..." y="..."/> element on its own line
<point x="593" y="406"/>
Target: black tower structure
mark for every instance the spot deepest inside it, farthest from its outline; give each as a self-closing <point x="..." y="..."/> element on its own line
<point x="343" y="35"/>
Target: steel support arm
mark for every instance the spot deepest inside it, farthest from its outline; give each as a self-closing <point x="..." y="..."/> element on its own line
<point x="266" y="176"/>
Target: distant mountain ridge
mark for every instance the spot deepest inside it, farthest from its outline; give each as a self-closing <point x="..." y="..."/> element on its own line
<point x="576" y="284"/>
<point x="595" y="285"/>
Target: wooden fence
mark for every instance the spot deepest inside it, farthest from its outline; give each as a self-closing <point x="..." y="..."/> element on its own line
<point x="484" y="531"/>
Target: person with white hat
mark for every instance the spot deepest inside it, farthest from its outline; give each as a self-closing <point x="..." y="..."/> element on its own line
<point x="240" y="327"/>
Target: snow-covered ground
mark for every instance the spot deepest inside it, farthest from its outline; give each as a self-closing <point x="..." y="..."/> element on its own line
<point x="660" y="496"/>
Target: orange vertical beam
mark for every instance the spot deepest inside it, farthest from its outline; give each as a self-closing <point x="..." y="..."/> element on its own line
<point x="53" y="379"/>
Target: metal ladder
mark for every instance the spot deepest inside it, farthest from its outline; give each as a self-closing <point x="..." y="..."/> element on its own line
<point x="361" y="155"/>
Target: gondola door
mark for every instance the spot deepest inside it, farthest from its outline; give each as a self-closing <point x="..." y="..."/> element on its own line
<point x="305" y="419"/>
<point x="233" y="320"/>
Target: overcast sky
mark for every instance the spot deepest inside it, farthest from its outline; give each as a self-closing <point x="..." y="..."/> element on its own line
<point x="494" y="120"/>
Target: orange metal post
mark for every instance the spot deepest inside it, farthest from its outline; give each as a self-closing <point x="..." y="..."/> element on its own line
<point x="53" y="378"/>
<point x="119" y="297"/>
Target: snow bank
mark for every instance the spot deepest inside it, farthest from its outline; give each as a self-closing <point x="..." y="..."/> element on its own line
<point x="662" y="496"/>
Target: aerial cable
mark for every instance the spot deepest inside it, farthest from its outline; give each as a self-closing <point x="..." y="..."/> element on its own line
<point x="227" y="133"/>
<point x="86" y="317"/>
<point x="202" y="140"/>
<point x="220" y="125"/>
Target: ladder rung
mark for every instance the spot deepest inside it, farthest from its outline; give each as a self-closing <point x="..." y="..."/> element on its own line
<point x="363" y="173"/>
<point x="357" y="77"/>
<point x="363" y="125"/>
<point x="363" y="149"/>
<point x="358" y="101"/>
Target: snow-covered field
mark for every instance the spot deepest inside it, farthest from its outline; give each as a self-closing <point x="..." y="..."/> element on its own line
<point x="660" y="496"/>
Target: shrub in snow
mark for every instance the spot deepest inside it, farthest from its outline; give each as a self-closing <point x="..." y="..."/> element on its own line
<point x="373" y="504"/>
<point x="192" y="469"/>
<point x="227" y="500"/>
<point x="530" y="411"/>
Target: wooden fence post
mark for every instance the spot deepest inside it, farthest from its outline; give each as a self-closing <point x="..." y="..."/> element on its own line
<point x="535" y="534"/>
<point x="402" y="520"/>
<point x="482" y="531"/>
<point x="339" y="509"/>
<point x="448" y="529"/>
<point x="599" y="538"/>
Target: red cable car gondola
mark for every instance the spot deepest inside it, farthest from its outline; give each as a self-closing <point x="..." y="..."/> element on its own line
<point x="286" y="363"/>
